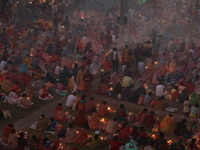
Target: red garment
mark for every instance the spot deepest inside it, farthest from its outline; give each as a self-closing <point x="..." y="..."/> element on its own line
<point x="103" y="109"/>
<point x="59" y="114"/>
<point x="21" y="78"/>
<point x="175" y="95"/>
<point x="141" y="117"/>
<point x="13" y="77"/>
<point x="150" y="120"/>
<point x="107" y="65"/>
<point x="125" y="132"/>
<point x="54" y="58"/>
<point x="16" y="88"/>
<point x="189" y="87"/>
<point x="6" y="133"/>
<point x="115" y="145"/>
<point x="134" y="134"/>
<point x="143" y="135"/>
<point x="28" y="79"/>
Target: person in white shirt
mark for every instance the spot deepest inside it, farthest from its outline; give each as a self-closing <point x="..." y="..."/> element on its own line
<point x="58" y="69"/>
<point x="160" y="90"/>
<point x="141" y="66"/>
<point x="71" y="99"/>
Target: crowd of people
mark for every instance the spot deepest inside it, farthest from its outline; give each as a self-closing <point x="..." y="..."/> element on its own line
<point x="48" y="50"/>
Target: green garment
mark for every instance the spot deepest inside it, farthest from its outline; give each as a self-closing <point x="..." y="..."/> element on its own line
<point x="131" y="145"/>
<point x="97" y="143"/>
<point x="194" y="98"/>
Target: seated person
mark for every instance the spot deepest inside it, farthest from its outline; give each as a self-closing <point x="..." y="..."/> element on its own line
<point x="159" y="104"/>
<point x="102" y="109"/>
<point x="82" y="137"/>
<point x="34" y="143"/>
<point x="121" y="113"/>
<point x="131" y="145"/>
<point x="180" y="127"/>
<point x="96" y="140"/>
<point x="90" y="105"/>
<point x="30" y="91"/>
<point x="115" y="144"/>
<point x="44" y="95"/>
<point x="59" y="113"/>
<point x="25" y="102"/>
<point x="143" y="138"/>
<point x="161" y="142"/>
<point x="7" y="130"/>
<point x="167" y="123"/>
<point x="112" y="126"/>
<point x="7" y="85"/>
<point x="70" y="134"/>
<point x="147" y="99"/>
<point x="12" y="139"/>
<point x="52" y="125"/>
<point x="42" y="123"/>
<point x="150" y="119"/>
<point x="94" y="121"/>
<point x="80" y="118"/>
<point x="124" y="131"/>
<point x="16" y="87"/>
<point x="12" y="98"/>
<point x="81" y="102"/>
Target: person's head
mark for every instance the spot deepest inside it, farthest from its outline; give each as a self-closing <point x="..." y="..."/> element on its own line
<point x="124" y="124"/>
<point x="184" y="121"/>
<point x="83" y="97"/>
<point x="21" y="134"/>
<point x="194" y="123"/>
<point x="42" y="116"/>
<point x="45" y="139"/>
<point x="104" y="102"/>
<point x="7" y="78"/>
<point x="59" y="64"/>
<point x="141" y="60"/>
<point x="115" y="138"/>
<point x="108" y="32"/>
<point x="196" y="105"/>
<point x="161" y="98"/>
<point x="141" y="129"/>
<point x="145" y="109"/>
<point x="161" y="134"/>
<point x="60" y="104"/>
<point x="114" y="49"/>
<point x="74" y="93"/>
<point x="121" y="106"/>
<point x="34" y="138"/>
<point x="150" y="93"/>
<point x="52" y="119"/>
<point x="171" y="116"/>
<point x="135" y="128"/>
<point x="11" y="125"/>
<point x="76" y="65"/>
<point x="96" y="134"/>
<point x="24" y="95"/>
<point x="13" y="131"/>
<point x="152" y="112"/>
<point x="82" y="68"/>
<point x="92" y="98"/>
<point x="114" y="119"/>
<point x="71" y="125"/>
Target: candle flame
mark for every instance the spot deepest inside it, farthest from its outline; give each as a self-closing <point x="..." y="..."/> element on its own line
<point x="102" y="120"/>
<point x="108" y="108"/>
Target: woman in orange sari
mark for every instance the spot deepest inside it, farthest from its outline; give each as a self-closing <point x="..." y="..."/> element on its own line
<point x="142" y="116"/>
<point x="167" y="123"/>
<point x="80" y="118"/>
<point x="82" y="137"/>
<point x="59" y="114"/>
<point x="70" y="134"/>
<point x="148" y="74"/>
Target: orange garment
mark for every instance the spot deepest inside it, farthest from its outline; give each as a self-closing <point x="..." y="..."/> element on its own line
<point x="27" y="61"/>
<point x="103" y="109"/>
<point x="16" y="88"/>
<point x="22" y="45"/>
<point x="80" y="80"/>
<point x="59" y="114"/>
<point x="6" y="133"/>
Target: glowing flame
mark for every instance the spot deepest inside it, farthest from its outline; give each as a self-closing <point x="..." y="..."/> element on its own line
<point x="108" y="108"/>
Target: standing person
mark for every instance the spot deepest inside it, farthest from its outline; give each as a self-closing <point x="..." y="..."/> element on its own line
<point x="79" y="79"/>
<point x="66" y="23"/>
<point x="22" y="142"/>
<point x="141" y="66"/>
<point x="108" y="39"/>
<point x="128" y="54"/>
<point x="58" y="69"/>
<point x="186" y="107"/>
<point x="71" y="99"/>
<point x="193" y="112"/>
<point x="157" y="43"/>
<point x="115" y="60"/>
<point x="75" y="71"/>
<point x="88" y="77"/>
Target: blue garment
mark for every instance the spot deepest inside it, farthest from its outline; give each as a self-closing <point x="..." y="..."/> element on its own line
<point x="52" y="125"/>
<point x="23" y="68"/>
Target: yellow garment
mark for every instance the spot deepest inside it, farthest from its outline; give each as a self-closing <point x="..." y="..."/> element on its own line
<point x="6" y="85"/>
<point x="80" y="80"/>
<point x="27" y="61"/>
<point x="127" y="58"/>
<point x="71" y="83"/>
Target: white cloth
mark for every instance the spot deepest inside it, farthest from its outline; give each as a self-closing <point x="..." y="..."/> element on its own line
<point x="11" y="98"/>
<point x="57" y="70"/>
<point x="160" y="90"/>
<point x="70" y="100"/>
<point x="141" y="66"/>
<point x="3" y="64"/>
<point x="186" y="107"/>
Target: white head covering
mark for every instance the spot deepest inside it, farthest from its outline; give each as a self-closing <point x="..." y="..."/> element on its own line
<point x="97" y="132"/>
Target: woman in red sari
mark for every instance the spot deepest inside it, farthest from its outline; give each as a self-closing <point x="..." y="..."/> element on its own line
<point x="90" y="104"/>
<point x="80" y="118"/>
<point x="59" y="114"/>
<point x="70" y="134"/>
<point x="125" y="131"/>
<point x="82" y="137"/>
<point x="142" y="116"/>
<point x="94" y="121"/>
<point x="6" y="132"/>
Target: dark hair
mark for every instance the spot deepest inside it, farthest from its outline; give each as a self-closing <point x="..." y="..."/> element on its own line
<point x="196" y="105"/>
<point x="114" y="119"/>
<point x="17" y="82"/>
<point x="11" y="125"/>
<point x="52" y="119"/>
<point x="184" y="121"/>
<point x="45" y="139"/>
<point x="74" y="93"/>
<point x="96" y="136"/>
<point x="170" y="115"/>
<point x="104" y="102"/>
<point x="145" y="109"/>
<point x="150" y="93"/>
<point x="13" y="131"/>
<point x="192" y="144"/>
<point x="121" y="105"/>
<point x="21" y="134"/>
<point x="115" y="138"/>
<point x="83" y="97"/>
<point x="135" y="128"/>
<point x="59" y="104"/>
<point x="24" y="95"/>
<point x="70" y="125"/>
<point x="124" y="124"/>
<point x="161" y="134"/>
<point x="152" y="112"/>
<point x="114" y="49"/>
<point x="34" y="138"/>
<point x="42" y="115"/>
<point x="141" y="128"/>
<point x="91" y="98"/>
